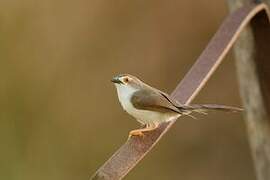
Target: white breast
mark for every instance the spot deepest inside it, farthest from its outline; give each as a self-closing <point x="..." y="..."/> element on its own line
<point x="124" y="96"/>
<point x="143" y="116"/>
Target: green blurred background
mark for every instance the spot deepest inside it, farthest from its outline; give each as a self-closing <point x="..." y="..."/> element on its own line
<point x="60" y="116"/>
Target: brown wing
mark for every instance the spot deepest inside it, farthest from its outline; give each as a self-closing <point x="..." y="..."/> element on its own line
<point x="181" y="107"/>
<point x="173" y="101"/>
<point x="152" y="100"/>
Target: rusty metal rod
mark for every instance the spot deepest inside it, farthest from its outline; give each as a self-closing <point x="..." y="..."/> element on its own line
<point x="125" y="158"/>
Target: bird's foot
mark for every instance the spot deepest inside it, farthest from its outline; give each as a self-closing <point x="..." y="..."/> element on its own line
<point x="136" y="133"/>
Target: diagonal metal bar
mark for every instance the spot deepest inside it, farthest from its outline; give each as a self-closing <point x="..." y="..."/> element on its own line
<point x="123" y="160"/>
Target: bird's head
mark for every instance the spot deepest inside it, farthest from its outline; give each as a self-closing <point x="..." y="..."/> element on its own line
<point x="127" y="80"/>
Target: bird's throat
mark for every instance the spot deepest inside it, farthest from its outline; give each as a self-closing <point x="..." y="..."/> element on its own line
<point x="124" y="95"/>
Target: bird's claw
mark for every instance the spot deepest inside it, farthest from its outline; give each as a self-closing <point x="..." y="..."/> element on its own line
<point x="135" y="133"/>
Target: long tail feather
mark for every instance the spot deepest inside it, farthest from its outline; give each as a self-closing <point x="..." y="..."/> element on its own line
<point x="200" y="108"/>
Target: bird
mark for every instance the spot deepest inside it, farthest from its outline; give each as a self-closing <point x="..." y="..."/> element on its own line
<point x="152" y="107"/>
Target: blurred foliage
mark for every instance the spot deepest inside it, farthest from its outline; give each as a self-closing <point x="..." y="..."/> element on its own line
<point x="60" y="117"/>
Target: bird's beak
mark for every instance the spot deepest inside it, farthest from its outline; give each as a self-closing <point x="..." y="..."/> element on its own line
<point x="116" y="80"/>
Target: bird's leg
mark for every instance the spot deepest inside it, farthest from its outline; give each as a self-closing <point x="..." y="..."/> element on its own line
<point x="139" y="132"/>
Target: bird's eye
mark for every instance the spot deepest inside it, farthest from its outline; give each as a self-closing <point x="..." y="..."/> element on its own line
<point x="126" y="79"/>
